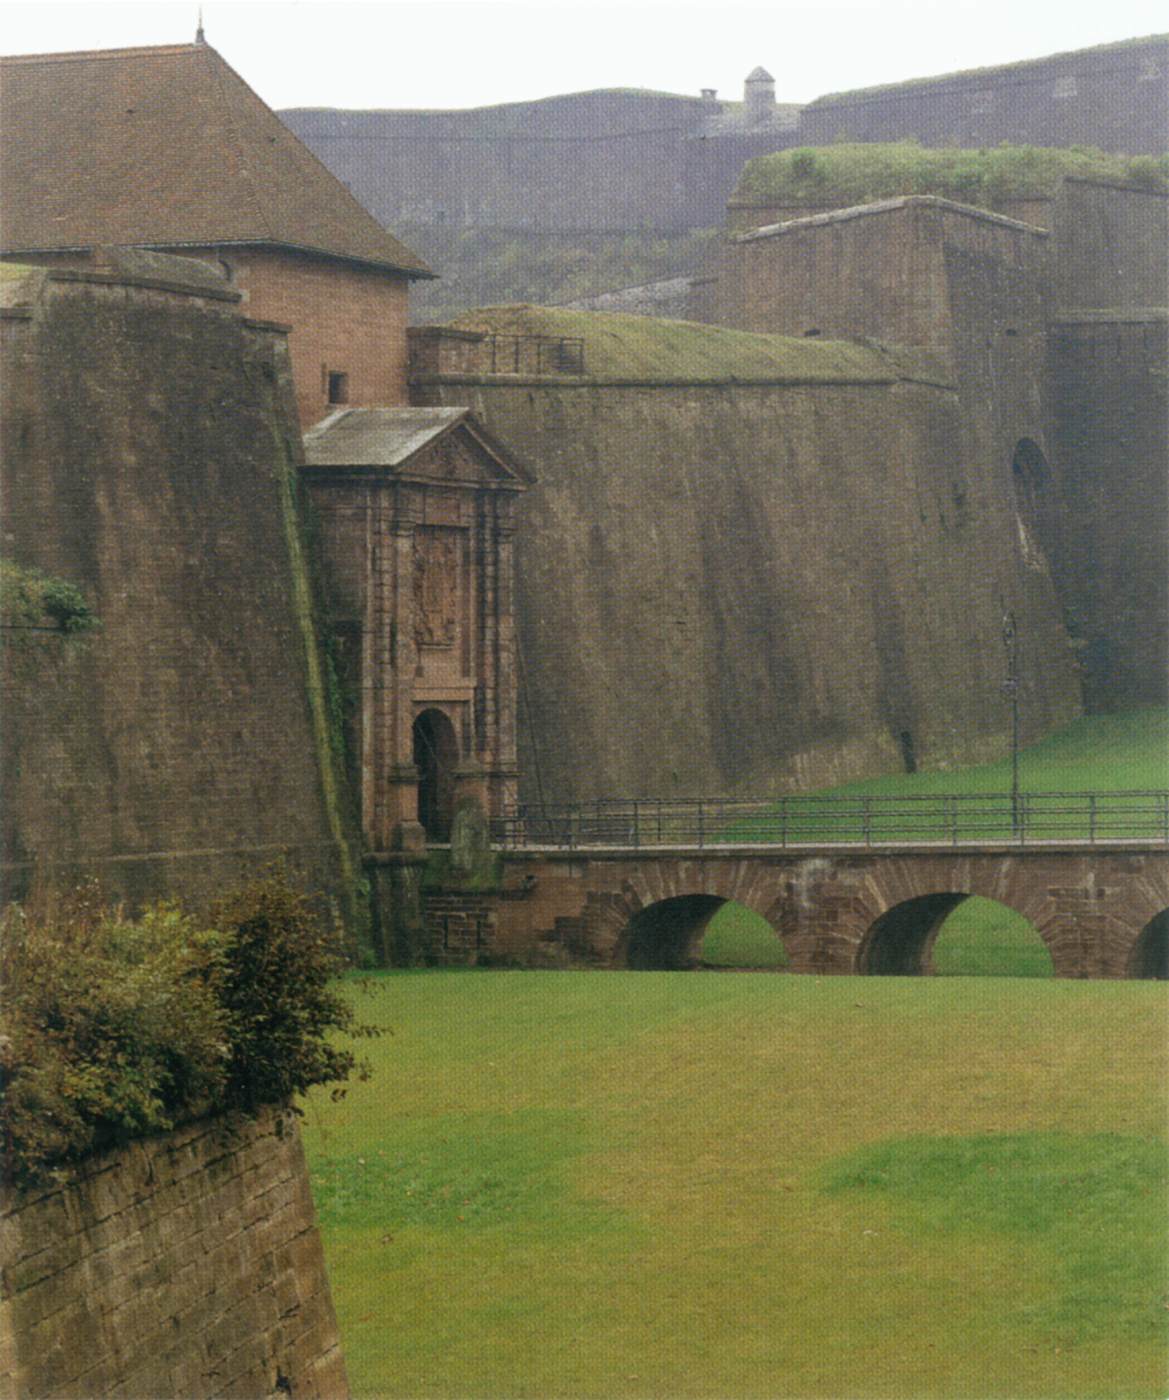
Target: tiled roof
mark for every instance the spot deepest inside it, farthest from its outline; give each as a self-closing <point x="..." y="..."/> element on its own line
<point x="376" y="437"/>
<point x="165" y="147"/>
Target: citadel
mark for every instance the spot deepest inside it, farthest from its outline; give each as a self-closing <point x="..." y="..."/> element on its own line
<point x="455" y="607"/>
<point x="353" y="572"/>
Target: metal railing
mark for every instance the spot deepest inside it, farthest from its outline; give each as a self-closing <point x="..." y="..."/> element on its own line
<point x="535" y="354"/>
<point x="951" y="819"/>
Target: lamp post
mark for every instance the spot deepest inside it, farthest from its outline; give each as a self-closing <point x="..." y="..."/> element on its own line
<point x="1010" y="687"/>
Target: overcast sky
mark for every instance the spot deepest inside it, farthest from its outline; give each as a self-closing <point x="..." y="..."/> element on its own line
<point x="463" y="53"/>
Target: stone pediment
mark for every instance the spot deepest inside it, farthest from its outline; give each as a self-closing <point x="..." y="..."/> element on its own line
<point x="440" y="445"/>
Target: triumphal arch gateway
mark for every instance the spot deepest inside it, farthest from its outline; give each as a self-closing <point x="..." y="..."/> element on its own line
<point x="416" y="510"/>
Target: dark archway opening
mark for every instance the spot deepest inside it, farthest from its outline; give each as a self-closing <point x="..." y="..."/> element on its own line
<point x="1030" y="473"/>
<point x="896" y="944"/>
<point x="1150" y="954"/>
<point x="666" y="937"/>
<point x="436" y="754"/>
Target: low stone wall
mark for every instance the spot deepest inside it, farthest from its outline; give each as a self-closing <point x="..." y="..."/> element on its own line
<point x="187" y="1264"/>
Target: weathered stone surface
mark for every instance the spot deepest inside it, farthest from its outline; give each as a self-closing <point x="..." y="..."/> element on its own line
<point x="106" y="1292"/>
<point x="147" y="435"/>
<point x="747" y="588"/>
<point x="1090" y="907"/>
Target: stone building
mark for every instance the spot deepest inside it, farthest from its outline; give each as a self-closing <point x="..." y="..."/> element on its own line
<point x="1052" y="323"/>
<point x="165" y="151"/>
<point x="417" y="514"/>
<point x="168" y="148"/>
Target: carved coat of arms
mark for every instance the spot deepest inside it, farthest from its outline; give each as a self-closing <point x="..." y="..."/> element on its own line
<point x="436" y="586"/>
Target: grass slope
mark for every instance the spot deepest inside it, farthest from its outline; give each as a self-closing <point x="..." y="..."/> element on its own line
<point x="654" y="1184"/>
<point x="853" y="173"/>
<point x="652" y="348"/>
<point x="1100" y="753"/>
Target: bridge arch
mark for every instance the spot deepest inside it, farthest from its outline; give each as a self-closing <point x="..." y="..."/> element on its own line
<point x="898" y="942"/>
<point x="668" y="934"/>
<point x="1149" y="957"/>
<point x="989" y="938"/>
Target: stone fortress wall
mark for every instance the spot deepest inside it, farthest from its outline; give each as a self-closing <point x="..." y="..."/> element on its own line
<point x="745" y="578"/>
<point x="186" y="1264"/>
<point x="627" y="162"/>
<point x="183" y="742"/>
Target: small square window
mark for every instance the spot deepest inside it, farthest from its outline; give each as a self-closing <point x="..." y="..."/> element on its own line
<point x="338" y="386"/>
<point x="982" y="102"/>
<point x="1064" y="87"/>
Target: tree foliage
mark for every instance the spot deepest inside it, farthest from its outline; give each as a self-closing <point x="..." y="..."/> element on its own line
<point x="116" y="1027"/>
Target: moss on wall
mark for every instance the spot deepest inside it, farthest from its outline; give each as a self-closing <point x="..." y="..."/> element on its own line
<point x="149" y="457"/>
<point x="651" y="349"/>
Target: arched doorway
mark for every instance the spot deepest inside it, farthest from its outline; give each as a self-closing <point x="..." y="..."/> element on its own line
<point x="1150" y="953"/>
<point x="436" y="753"/>
<point x="1030" y="474"/>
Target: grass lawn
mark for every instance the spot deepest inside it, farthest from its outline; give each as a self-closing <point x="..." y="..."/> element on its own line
<point x="1100" y="753"/>
<point x="665" y="1184"/>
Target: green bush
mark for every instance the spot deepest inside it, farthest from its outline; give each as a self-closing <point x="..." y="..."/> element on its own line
<point x="114" y="1028"/>
<point x="34" y="601"/>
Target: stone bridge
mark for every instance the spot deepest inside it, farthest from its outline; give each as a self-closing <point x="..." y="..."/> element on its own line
<point x="1102" y="911"/>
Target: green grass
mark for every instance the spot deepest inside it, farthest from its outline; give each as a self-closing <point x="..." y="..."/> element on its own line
<point x="650" y="348"/>
<point x="1101" y="753"/>
<point x="847" y="174"/>
<point x="1098" y="753"/>
<point x="655" y="1184"/>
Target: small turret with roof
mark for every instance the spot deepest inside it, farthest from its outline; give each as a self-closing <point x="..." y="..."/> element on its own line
<point x="759" y="96"/>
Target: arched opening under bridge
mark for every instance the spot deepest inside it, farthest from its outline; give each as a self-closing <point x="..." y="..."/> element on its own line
<point x="953" y="935"/>
<point x="1150" y="953"/>
<point x="697" y="930"/>
<point x="436" y="754"/>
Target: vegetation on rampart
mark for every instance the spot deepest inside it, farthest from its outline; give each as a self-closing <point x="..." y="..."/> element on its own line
<point x="838" y="176"/>
<point x="619" y="346"/>
<point x="117" y="1027"/>
<point x="33" y="601"/>
<point x="483" y="267"/>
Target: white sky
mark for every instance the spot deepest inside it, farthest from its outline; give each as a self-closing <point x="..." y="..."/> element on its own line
<point x="464" y="53"/>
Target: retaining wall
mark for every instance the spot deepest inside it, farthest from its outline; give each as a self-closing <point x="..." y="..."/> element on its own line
<point x="187" y="1264"/>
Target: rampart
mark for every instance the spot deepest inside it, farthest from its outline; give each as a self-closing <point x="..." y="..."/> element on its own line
<point x="1114" y="96"/>
<point x="183" y="1265"/>
<point x="150" y="456"/>
<point x="763" y="554"/>
<point x="1107" y="241"/>
<point x="1111" y="444"/>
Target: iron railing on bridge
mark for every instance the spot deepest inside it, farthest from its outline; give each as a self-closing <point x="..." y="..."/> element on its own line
<point x="953" y="819"/>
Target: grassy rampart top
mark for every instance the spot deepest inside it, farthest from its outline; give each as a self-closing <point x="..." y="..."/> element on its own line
<point x="840" y="175"/>
<point x="648" y="348"/>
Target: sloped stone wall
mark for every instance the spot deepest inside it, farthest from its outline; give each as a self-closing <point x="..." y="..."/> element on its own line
<point x="184" y="1265"/>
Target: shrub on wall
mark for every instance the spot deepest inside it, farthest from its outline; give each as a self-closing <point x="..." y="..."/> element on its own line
<point x="114" y="1028"/>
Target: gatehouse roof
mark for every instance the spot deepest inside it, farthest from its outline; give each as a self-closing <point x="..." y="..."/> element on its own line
<point x="166" y="147"/>
<point x="400" y="439"/>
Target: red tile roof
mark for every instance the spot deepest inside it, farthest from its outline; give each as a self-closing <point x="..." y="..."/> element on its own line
<point x="164" y="148"/>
